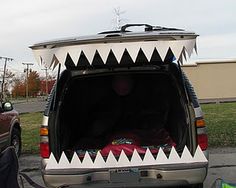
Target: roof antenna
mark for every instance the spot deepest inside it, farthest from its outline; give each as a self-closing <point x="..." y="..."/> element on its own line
<point x="118" y="20"/>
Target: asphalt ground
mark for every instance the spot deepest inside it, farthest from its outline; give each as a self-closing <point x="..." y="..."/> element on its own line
<point x="30" y="106"/>
<point x="222" y="164"/>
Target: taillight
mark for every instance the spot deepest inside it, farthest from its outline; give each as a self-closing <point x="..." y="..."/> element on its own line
<point x="44" y="150"/>
<point x="202" y="138"/>
<point x="44" y="145"/>
<point x="202" y="141"/>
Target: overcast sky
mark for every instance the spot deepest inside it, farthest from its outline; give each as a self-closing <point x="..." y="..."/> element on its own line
<point x="25" y="22"/>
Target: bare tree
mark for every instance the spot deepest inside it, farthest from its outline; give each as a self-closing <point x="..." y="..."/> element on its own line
<point x="8" y="79"/>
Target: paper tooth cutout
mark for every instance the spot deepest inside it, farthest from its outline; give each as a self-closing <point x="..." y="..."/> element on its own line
<point x="148" y="158"/>
<point x="161" y="157"/>
<point x="133" y="51"/>
<point x="46" y="56"/>
<point x="104" y="52"/>
<point x="87" y="161"/>
<point x="111" y="160"/>
<point x="75" y="161"/>
<point x="148" y="49"/>
<point x="118" y="51"/>
<point x="99" y="161"/>
<point x="163" y="48"/>
<point x="199" y="155"/>
<point x="123" y="160"/>
<point x="63" y="162"/>
<point x="136" y="159"/>
<point x="189" y="47"/>
<point x="74" y="54"/>
<point x="186" y="156"/>
<point x="89" y="51"/>
<point x="52" y="163"/>
<point x="173" y="157"/>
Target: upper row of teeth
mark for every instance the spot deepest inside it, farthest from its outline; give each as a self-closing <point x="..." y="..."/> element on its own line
<point x="178" y="47"/>
<point x="123" y="160"/>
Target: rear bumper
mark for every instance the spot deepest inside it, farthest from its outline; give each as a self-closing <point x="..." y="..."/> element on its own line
<point x="149" y="177"/>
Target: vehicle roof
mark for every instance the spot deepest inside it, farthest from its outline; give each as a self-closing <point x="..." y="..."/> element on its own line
<point x="122" y="44"/>
<point x="156" y="33"/>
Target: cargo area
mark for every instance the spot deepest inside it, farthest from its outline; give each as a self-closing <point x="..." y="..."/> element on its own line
<point x="122" y="111"/>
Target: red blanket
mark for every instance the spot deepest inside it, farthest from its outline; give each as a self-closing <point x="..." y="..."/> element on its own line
<point x="139" y="140"/>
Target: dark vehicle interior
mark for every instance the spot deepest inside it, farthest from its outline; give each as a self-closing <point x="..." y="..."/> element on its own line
<point x="122" y="111"/>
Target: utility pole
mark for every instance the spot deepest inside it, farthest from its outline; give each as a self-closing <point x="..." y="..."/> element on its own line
<point x="46" y="72"/>
<point x="27" y="75"/>
<point x="4" y="74"/>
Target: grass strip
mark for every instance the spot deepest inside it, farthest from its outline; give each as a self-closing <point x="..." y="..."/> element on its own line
<point x="30" y="123"/>
<point x="221" y="124"/>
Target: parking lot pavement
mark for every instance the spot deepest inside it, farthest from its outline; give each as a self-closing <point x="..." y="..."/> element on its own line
<point x="30" y="165"/>
<point x="31" y="106"/>
<point x="222" y="164"/>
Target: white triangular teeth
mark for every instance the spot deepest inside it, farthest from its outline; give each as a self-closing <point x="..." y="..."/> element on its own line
<point x="186" y="156"/>
<point x="148" y="158"/>
<point x="148" y="49"/>
<point x="75" y="161"/>
<point x="161" y="157"/>
<point x="199" y="155"/>
<point x="190" y="46"/>
<point x="52" y="163"/>
<point x="123" y="161"/>
<point x="104" y="52"/>
<point x="133" y="51"/>
<point x="136" y="159"/>
<point x="118" y="51"/>
<point x="74" y="53"/>
<point x="111" y="160"/>
<point x="162" y="49"/>
<point x="89" y="51"/>
<point x="99" y="161"/>
<point x="87" y="161"/>
<point x="177" y="47"/>
<point x="63" y="162"/>
<point x="173" y="157"/>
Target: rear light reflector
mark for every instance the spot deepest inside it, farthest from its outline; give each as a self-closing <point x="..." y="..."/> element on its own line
<point x="202" y="141"/>
<point x="43" y="131"/>
<point x="44" y="139"/>
<point x="44" y="150"/>
<point x="200" y="123"/>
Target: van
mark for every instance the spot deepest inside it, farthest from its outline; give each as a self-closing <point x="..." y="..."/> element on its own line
<point x="122" y="112"/>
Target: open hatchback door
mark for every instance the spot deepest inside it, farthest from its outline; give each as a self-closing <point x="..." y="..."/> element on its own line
<point x="122" y="113"/>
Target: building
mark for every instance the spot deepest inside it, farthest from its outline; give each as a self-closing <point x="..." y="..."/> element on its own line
<point x="214" y="81"/>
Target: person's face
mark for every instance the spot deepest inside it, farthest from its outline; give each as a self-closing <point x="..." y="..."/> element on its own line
<point x="122" y="85"/>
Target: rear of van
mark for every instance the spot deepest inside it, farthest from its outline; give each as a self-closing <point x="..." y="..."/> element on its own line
<point x="133" y="121"/>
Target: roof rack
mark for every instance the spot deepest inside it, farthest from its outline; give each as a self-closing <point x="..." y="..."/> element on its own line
<point x="148" y="27"/>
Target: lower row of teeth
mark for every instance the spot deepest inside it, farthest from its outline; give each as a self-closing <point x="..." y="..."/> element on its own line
<point x="123" y="161"/>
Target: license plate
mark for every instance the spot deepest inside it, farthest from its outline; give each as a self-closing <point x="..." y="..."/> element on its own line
<point x="124" y="175"/>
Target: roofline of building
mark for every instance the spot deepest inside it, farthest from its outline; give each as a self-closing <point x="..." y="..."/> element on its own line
<point x="209" y="61"/>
